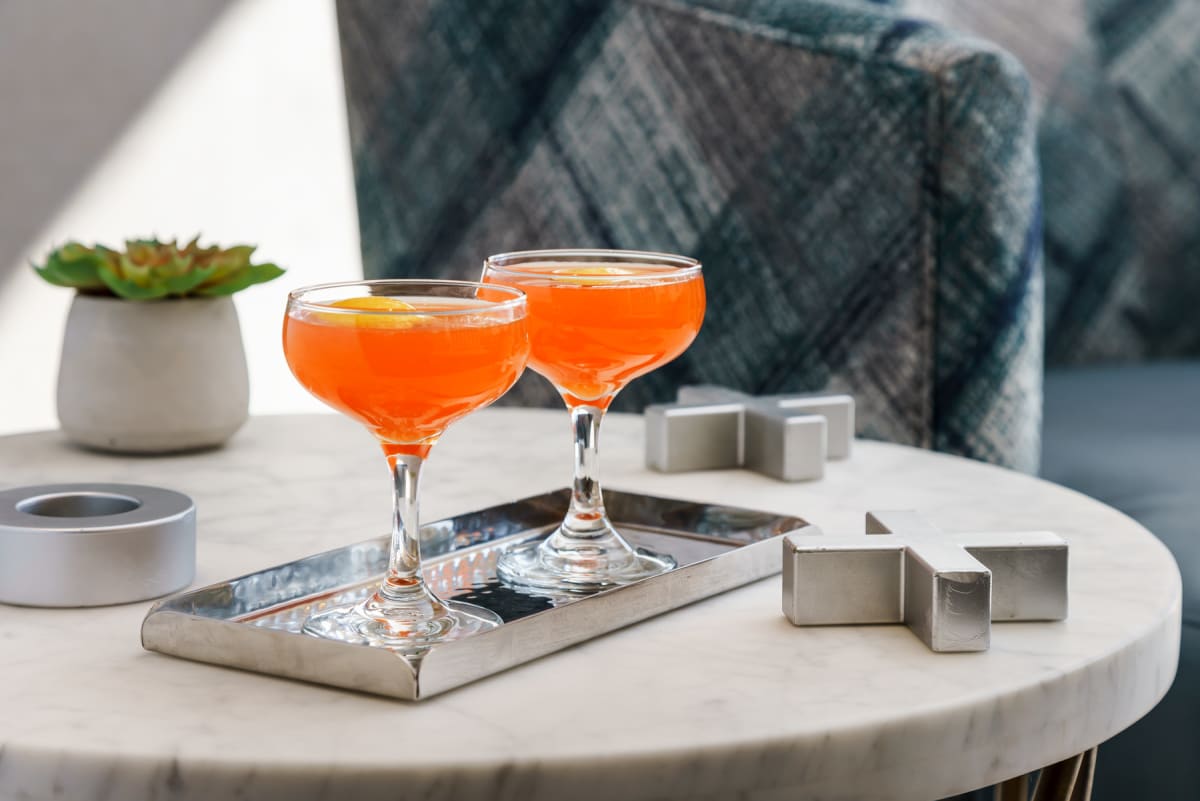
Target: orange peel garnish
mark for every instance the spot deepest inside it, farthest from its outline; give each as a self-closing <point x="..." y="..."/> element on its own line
<point x="372" y="303"/>
<point x="582" y="273"/>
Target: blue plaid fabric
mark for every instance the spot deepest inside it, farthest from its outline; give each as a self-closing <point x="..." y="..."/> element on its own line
<point x="1121" y="143"/>
<point x="861" y="188"/>
<point x="1119" y="137"/>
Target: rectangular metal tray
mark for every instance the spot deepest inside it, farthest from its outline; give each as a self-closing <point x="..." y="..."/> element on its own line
<point x="253" y="622"/>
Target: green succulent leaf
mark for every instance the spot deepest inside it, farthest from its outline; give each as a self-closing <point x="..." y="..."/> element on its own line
<point x="247" y="276"/>
<point x="184" y="283"/>
<point x="177" y="266"/>
<point x="130" y="270"/>
<point x="130" y="290"/>
<point x="229" y="262"/>
<point x="73" y="265"/>
<point x="241" y="252"/>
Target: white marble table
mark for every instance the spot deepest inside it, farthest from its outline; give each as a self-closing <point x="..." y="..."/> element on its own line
<point x="719" y="700"/>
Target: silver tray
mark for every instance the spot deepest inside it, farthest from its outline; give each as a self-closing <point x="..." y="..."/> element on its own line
<point x="253" y="622"/>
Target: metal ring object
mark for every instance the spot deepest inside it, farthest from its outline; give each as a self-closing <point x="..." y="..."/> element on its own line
<point x="69" y="545"/>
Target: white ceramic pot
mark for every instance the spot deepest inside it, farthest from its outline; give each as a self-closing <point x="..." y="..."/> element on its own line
<point x="153" y="376"/>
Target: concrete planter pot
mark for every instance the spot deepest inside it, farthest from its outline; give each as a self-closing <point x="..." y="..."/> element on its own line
<point x="152" y="377"/>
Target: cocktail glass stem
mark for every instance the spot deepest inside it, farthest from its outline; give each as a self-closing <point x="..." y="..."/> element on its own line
<point x="587" y="542"/>
<point x="403" y="613"/>
<point x="585" y="553"/>
<point x="586" y="517"/>
<point x="403" y="591"/>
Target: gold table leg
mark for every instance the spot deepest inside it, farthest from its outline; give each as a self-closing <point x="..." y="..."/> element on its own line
<point x="1016" y="789"/>
<point x="1069" y="780"/>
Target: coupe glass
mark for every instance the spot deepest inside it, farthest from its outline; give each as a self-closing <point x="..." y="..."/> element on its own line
<point x="405" y="359"/>
<point x="597" y="320"/>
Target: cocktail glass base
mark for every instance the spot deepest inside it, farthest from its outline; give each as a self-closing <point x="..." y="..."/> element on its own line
<point x="582" y="568"/>
<point x="383" y="625"/>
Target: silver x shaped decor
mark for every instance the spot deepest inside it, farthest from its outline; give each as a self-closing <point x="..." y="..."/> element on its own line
<point x="947" y="588"/>
<point x="787" y="437"/>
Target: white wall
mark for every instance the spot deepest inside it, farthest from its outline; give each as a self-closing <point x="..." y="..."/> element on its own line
<point x="73" y="73"/>
<point x="245" y="142"/>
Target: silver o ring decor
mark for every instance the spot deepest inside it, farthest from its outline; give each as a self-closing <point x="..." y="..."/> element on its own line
<point x="90" y="544"/>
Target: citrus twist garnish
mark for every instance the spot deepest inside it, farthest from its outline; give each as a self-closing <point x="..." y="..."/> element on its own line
<point x="582" y="274"/>
<point x="372" y="303"/>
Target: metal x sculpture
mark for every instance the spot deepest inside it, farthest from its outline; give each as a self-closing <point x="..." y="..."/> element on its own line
<point x="787" y="437"/>
<point x="947" y="588"/>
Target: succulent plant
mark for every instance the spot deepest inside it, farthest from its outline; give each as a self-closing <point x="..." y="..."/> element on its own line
<point x="148" y="269"/>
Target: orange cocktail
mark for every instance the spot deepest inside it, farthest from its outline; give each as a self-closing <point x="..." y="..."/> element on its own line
<point x="405" y="377"/>
<point x="595" y="327"/>
<point x="597" y="320"/>
<point x="405" y="359"/>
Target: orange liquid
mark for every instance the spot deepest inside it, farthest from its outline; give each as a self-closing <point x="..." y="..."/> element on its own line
<point x="406" y="377"/>
<point x="591" y="337"/>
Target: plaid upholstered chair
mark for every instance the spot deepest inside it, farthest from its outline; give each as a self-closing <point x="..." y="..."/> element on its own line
<point x="863" y="189"/>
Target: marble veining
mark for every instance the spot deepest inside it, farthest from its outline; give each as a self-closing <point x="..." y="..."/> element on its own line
<point x="720" y="699"/>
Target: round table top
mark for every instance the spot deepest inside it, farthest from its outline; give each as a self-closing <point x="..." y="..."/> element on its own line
<point x="718" y="698"/>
